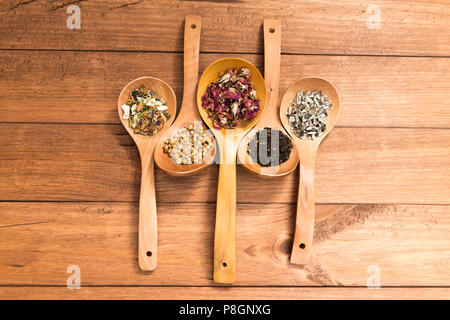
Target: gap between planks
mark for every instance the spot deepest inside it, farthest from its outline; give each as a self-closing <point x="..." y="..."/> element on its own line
<point x="213" y="202"/>
<point x="231" y="53"/>
<point x="115" y="124"/>
<point x="234" y="293"/>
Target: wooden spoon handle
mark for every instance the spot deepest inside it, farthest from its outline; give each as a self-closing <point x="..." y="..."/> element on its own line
<point x="272" y="61"/>
<point x="304" y="223"/>
<point x="148" y="235"/>
<point x="192" y="32"/>
<point x="225" y="233"/>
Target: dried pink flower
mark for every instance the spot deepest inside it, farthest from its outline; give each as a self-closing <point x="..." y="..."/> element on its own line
<point x="231" y="99"/>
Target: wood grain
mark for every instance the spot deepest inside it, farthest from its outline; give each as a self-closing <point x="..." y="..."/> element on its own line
<point x="188" y="113"/>
<point x="100" y="163"/>
<point x="409" y="244"/>
<point x="391" y="146"/>
<point x="307" y="150"/>
<point x="338" y="27"/>
<point x="67" y="86"/>
<point x="210" y="293"/>
<point x="390" y="239"/>
<point x="270" y="117"/>
<point x="148" y="238"/>
<point x="227" y="143"/>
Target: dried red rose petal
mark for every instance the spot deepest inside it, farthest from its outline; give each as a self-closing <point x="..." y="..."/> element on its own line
<point x="231" y="99"/>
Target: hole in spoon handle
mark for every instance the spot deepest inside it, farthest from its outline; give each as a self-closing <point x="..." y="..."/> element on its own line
<point x="225" y="230"/>
<point x="148" y="243"/>
<point x="192" y="33"/>
<point x="148" y="250"/>
<point x="304" y="224"/>
<point x="303" y="238"/>
<point x="148" y="234"/>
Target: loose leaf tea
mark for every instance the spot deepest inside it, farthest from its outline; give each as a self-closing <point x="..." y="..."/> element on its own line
<point x="269" y="147"/>
<point x="145" y="111"/>
<point x="188" y="145"/>
<point x="231" y="99"/>
<point x="308" y="114"/>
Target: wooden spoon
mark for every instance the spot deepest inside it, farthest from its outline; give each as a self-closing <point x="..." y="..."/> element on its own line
<point x="270" y="117"/>
<point x="188" y="112"/>
<point x="148" y="237"/>
<point x="304" y="225"/>
<point x="228" y="142"/>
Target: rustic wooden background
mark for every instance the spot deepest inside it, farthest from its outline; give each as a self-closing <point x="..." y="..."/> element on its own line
<point x="70" y="174"/>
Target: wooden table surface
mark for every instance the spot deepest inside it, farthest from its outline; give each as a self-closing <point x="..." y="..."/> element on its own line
<point x="70" y="174"/>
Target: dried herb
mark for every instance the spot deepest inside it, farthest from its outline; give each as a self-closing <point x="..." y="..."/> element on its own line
<point x="145" y="111"/>
<point x="231" y="99"/>
<point x="269" y="147"/>
<point x="189" y="145"/>
<point x="308" y="114"/>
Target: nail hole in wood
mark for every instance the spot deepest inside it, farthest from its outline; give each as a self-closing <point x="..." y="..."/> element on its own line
<point x="193" y="26"/>
<point x="302" y="246"/>
<point x="271" y="30"/>
<point x="149" y="253"/>
<point x="224" y="264"/>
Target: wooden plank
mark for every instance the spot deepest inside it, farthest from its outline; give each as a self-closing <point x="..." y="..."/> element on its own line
<point x="409" y="244"/>
<point x="393" y="240"/>
<point x="66" y="86"/>
<point x="100" y="163"/>
<point x="214" y="293"/>
<point x="338" y="27"/>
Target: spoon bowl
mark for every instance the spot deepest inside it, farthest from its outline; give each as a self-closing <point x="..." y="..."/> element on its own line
<point x="270" y="118"/>
<point x="167" y="165"/>
<point x="148" y="237"/>
<point x="281" y="170"/>
<point x="307" y="148"/>
<point x="211" y="74"/>
<point x="162" y="89"/>
<point x="188" y="112"/>
<point x="227" y="142"/>
<point x="310" y="84"/>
